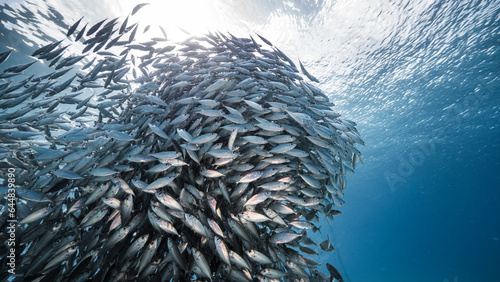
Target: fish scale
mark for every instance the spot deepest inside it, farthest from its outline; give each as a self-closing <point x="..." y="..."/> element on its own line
<point x="228" y="118"/>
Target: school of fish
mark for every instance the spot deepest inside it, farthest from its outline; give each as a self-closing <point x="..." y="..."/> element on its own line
<point x="209" y="159"/>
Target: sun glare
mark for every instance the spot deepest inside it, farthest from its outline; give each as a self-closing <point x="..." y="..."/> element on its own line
<point x="177" y="18"/>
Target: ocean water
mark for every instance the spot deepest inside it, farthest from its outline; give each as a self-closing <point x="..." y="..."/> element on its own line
<point x="421" y="79"/>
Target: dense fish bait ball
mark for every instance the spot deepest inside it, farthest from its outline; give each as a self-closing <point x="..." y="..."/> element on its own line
<point x="210" y="159"/>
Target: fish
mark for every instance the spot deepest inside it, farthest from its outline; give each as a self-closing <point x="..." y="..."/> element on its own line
<point x="73" y="27"/>
<point x="265" y="40"/>
<point x="202" y="263"/>
<point x="18" y="68"/>
<point x="273" y="273"/>
<point x="222" y="250"/>
<point x="94" y="28"/>
<point x="304" y="71"/>
<point x="282" y="238"/>
<point x="207" y="158"/>
<point x="175" y="253"/>
<point x="258" y="257"/>
<point x="138" y="7"/>
<point x="4" y="56"/>
<point x="334" y="272"/>
<point x="257" y="199"/>
<point x="80" y="34"/>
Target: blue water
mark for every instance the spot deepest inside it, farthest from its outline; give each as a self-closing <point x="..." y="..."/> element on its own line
<point x="421" y="79"/>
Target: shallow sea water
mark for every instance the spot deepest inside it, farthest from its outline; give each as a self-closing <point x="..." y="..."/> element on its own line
<point x="421" y="79"/>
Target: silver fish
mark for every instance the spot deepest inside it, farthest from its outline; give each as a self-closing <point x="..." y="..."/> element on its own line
<point x="222" y="250"/>
<point x="258" y="257"/>
<point x="223" y="131"/>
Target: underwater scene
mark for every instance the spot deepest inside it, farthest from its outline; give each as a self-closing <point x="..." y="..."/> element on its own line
<point x="249" y="140"/>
